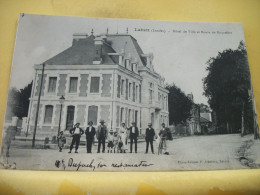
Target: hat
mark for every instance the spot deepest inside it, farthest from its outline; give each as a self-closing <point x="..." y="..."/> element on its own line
<point x="149" y="124"/>
<point x="133" y="122"/>
<point x="90" y="122"/>
<point x="77" y="124"/>
<point x="111" y="131"/>
<point x="101" y="121"/>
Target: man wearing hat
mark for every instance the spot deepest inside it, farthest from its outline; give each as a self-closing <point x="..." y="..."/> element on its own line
<point x="102" y="135"/>
<point x="149" y="135"/>
<point x="133" y="134"/>
<point x="90" y="133"/>
<point x="76" y="133"/>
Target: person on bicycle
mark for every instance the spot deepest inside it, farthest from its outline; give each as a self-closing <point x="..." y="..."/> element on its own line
<point x="164" y="132"/>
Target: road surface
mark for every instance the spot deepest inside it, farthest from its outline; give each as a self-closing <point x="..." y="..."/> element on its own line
<point x="186" y="153"/>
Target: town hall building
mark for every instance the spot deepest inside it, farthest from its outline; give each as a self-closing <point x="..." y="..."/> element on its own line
<point x="101" y="77"/>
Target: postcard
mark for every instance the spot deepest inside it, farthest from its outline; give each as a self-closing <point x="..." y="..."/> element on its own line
<point x="99" y="94"/>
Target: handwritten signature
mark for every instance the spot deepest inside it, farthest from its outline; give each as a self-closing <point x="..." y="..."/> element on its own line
<point x="96" y="165"/>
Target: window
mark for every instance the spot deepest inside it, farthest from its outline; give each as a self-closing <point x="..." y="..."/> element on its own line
<point x="122" y="86"/>
<point x="127" y="63"/>
<point x="52" y="84"/>
<point x="70" y="117"/>
<point x="136" y="95"/>
<point x="132" y="67"/>
<point x="92" y="114"/>
<point x="48" y="114"/>
<point x="150" y="96"/>
<point x="94" y="85"/>
<point x="122" y="115"/>
<point x="130" y="90"/>
<point x="73" y="85"/>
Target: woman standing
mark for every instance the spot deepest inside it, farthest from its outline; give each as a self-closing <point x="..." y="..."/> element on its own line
<point x="123" y="135"/>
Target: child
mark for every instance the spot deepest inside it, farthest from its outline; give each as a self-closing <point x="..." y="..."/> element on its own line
<point x="110" y="140"/>
<point x="61" y="141"/>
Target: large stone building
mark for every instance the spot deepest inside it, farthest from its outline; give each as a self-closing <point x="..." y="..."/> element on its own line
<point x="101" y="77"/>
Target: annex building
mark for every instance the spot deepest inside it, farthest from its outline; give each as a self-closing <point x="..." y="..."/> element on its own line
<point x="101" y="77"/>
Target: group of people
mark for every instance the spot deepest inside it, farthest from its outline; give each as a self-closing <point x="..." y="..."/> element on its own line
<point x="116" y="141"/>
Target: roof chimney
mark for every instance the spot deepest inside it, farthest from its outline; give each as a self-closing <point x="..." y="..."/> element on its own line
<point x="98" y="42"/>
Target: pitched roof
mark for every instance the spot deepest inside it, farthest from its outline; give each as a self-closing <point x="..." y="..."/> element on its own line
<point x="203" y="120"/>
<point x="82" y="52"/>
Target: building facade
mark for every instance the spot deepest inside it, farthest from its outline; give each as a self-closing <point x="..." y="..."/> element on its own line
<point x="101" y="77"/>
<point x="193" y="123"/>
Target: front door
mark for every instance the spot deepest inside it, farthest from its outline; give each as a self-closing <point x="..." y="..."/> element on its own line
<point x="70" y="117"/>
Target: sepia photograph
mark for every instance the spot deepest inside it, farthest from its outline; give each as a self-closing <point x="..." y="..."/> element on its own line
<point x="100" y="94"/>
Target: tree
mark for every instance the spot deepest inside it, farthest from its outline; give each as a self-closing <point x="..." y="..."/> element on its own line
<point x="24" y="101"/>
<point x="226" y="87"/>
<point x="13" y="96"/>
<point x="179" y="105"/>
<point x="18" y="102"/>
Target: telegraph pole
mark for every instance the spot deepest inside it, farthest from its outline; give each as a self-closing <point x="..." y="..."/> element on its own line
<point x="38" y="106"/>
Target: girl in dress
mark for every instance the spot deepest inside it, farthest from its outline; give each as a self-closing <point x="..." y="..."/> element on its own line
<point x="110" y="140"/>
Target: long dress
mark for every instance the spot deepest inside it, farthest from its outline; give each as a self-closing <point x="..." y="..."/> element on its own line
<point x="123" y="135"/>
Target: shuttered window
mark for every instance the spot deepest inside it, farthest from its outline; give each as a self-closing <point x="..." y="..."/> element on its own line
<point x="94" y="84"/>
<point x="52" y="84"/>
<point x="48" y="114"/>
<point x="73" y="85"/>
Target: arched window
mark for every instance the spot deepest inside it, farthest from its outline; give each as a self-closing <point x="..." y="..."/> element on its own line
<point x="48" y="114"/>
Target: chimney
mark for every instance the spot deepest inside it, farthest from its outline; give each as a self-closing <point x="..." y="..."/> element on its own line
<point x="98" y="42"/>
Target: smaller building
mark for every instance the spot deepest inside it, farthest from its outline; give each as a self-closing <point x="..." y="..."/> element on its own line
<point x="205" y="122"/>
<point x="193" y="123"/>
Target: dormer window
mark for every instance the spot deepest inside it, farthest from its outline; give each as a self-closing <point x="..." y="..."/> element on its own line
<point x="127" y="61"/>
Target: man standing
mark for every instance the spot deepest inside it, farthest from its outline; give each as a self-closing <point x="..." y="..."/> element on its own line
<point x="76" y="133"/>
<point x="165" y="135"/>
<point x="133" y="134"/>
<point x="149" y="135"/>
<point x="101" y="135"/>
<point x="90" y="133"/>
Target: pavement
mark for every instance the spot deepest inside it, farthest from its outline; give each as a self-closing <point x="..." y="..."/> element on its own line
<point x="205" y="152"/>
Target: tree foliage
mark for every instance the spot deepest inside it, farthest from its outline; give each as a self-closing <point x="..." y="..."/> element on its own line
<point x="226" y="87"/>
<point x="18" y="102"/>
<point x="179" y="105"/>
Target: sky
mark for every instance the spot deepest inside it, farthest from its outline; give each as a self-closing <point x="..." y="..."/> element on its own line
<point x="180" y="49"/>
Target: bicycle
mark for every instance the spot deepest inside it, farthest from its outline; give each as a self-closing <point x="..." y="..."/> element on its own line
<point x="162" y="145"/>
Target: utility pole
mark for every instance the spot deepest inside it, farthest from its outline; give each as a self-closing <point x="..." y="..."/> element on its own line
<point x="38" y="106"/>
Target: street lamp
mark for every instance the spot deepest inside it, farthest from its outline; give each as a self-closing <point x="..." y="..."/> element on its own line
<point x="62" y="99"/>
